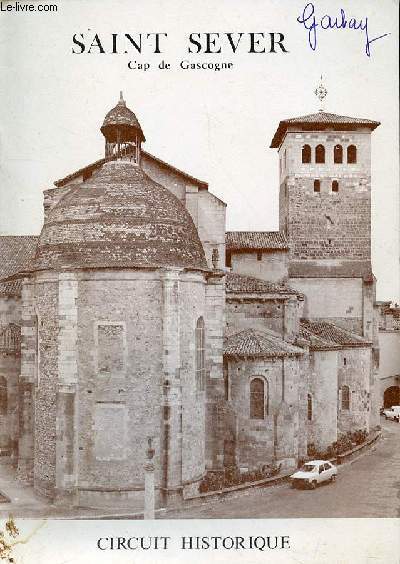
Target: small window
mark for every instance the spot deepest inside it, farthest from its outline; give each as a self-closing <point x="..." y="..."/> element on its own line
<point x="257" y="399"/>
<point x="335" y="186"/>
<point x="306" y="154"/>
<point x="317" y="186"/>
<point x="338" y="154"/>
<point x="319" y="154"/>
<point x="344" y="361"/>
<point x="345" y="398"/>
<point x="3" y="396"/>
<point x="309" y="407"/>
<point x="259" y="255"/>
<point x="215" y="258"/>
<point x="200" y="354"/>
<point x="351" y="154"/>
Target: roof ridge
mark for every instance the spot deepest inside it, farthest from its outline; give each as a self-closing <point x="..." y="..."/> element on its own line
<point x="341" y="336"/>
<point x="244" y="283"/>
<point x="320" y="121"/>
<point x="319" y="114"/>
<point x="99" y="162"/>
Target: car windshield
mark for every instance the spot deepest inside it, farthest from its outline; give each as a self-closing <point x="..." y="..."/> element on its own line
<point x="307" y="468"/>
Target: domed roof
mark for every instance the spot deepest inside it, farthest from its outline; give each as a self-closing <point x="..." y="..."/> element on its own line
<point x="119" y="218"/>
<point x="121" y="115"/>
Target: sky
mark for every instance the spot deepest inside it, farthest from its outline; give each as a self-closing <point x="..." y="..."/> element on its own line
<point x="215" y="125"/>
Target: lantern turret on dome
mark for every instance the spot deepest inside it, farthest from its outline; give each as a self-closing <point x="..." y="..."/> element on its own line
<point x="122" y="132"/>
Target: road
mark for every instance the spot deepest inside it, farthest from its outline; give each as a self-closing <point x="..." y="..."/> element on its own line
<point x="366" y="487"/>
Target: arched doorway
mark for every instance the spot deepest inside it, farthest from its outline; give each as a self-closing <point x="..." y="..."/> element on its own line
<point x="391" y="396"/>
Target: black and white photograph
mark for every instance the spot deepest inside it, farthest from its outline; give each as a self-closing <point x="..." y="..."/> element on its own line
<point x="199" y="282"/>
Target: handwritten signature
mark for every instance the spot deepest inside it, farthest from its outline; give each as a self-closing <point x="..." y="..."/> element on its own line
<point x="309" y="20"/>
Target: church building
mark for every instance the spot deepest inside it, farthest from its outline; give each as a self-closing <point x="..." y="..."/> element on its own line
<point x="134" y="315"/>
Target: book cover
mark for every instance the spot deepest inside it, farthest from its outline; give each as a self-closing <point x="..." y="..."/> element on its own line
<point x="199" y="281"/>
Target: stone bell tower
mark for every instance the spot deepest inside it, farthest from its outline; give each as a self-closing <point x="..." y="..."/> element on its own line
<point x="123" y="134"/>
<point x="325" y="211"/>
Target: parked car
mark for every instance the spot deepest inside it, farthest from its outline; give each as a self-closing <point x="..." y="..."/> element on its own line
<point x="392" y="413"/>
<point x="313" y="473"/>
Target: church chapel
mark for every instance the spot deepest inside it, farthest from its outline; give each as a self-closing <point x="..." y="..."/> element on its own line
<point x="135" y="315"/>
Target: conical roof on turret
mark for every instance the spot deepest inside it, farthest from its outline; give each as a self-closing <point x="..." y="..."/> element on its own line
<point x="121" y="115"/>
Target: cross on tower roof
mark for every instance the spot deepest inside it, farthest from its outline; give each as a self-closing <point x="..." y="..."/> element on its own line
<point x="321" y="92"/>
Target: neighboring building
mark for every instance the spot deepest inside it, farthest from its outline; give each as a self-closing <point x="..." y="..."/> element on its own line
<point x="389" y="353"/>
<point x="122" y="321"/>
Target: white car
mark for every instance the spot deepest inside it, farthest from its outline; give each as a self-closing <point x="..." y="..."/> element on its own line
<point x="392" y="413"/>
<point x="313" y="473"/>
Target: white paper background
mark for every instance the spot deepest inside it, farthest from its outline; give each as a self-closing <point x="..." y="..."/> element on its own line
<point x="313" y="541"/>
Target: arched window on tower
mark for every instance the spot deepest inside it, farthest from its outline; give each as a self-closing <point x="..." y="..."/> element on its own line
<point x="338" y="154"/>
<point x="345" y="398"/>
<point x="257" y="399"/>
<point x="200" y="354"/>
<point x="306" y="154"/>
<point x="319" y="154"/>
<point x="351" y="154"/>
<point x="317" y="185"/>
<point x="309" y="407"/>
<point x="3" y="396"/>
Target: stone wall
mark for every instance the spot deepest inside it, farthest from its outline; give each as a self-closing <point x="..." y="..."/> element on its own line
<point x="46" y="305"/>
<point x="271" y="266"/>
<point x="277" y="437"/>
<point x="136" y="336"/>
<point x="209" y="216"/>
<point x="336" y="300"/>
<point x="255" y="314"/>
<point x="27" y="381"/>
<point x="354" y="371"/>
<point x="279" y="315"/>
<point x="322" y="385"/>
<point x="216" y="415"/>
<point x="192" y="423"/>
<point x="129" y="311"/>
<point x="10" y="367"/>
<point x="164" y="175"/>
<point x="327" y="224"/>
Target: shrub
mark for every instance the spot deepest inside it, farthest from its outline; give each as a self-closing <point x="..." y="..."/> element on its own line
<point x="214" y="481"/>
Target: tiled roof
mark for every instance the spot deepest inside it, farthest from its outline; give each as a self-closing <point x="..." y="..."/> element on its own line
<point x="392" y="310"/>
<point x="16" y="253"/>
<point x="256" y="343"/>
<point x="327" y="336"/>
<point x="121" y="115"/>
<point x="11" y="288"/>
<point x="120" y="219"/>
<point x="239" y="283"/>
<point x="90" y="168"/>
<point x="238" y="240"/>
<point x="321" y="120"/>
